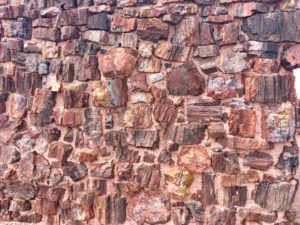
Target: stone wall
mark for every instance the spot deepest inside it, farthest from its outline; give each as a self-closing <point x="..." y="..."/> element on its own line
<point x="148" y="111"/>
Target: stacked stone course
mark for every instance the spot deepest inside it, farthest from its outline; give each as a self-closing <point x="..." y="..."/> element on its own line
<point x="148" y="111"/>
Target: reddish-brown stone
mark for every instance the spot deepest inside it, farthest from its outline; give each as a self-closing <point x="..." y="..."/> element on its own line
<point x="185" y="80"/>
<point x="153" y="29"/>
<point x="118" y="62"/>
<point x="121" y="24"/>
<point x="194" y="158"/>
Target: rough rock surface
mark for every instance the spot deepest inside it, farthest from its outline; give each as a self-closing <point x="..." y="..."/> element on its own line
<point x="149" y="112"/>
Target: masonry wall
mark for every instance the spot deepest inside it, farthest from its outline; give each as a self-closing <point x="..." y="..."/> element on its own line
<point x="148" y="111"/>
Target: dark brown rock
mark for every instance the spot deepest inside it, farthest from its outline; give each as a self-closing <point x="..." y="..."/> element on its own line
<point x="187" y="134"/>
<point x="103" y="169"/>
<point x="74" y="170"/>
<point x="267" y="88"/>
<point x="153" y="29"/>
<point x="52" y="34"/>
<point x="204" y="111"/>
<point x="185" y="80"/>
<point x="142" y="138"/>
<point x="75" y="99"/>
<point x="235" y="196"/>
<point x="288" y="161"/>
<point x="60" y="151"/>
<point x="115" y="138"/>
<point x="164" y="111"/>
<point x="168" y="51"/>
<point x="42" y="106"/>
<point x="258" y="160"/>
<point x="225" y="162"/>
<point x="208" y="192"/>
<point x="98" y="21"/>
<point x="220" y="215"/>
<point x="4" y="53"/>
<point x="242" y="122"/>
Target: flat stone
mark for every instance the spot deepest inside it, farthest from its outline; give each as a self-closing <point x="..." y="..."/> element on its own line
<point x="278" y="123"/>
<point x="283" y="29"/>
<point x="103" y="169"/>
<point x="171" y="52"/>
<point x="153" y="29"/>
<point x="142" y="138"/>
<point x="203" y="111"/>
<point x="25" y="191"/>
<point x="207" y="51"/>
<point x="244" y="143"/>
<point x="140" y="210"/>
<point x="208" y="191"/>
<point x="98" y="21"/>
<point x="60" y="151"/>
<point x="75" y="99"/>
<point x="149" y="65"/>
<point x="219" y="215"/>
<point x="187" y="134"/>
<point x="242" y="122"/>
<point x="75" y="171"/>
<point x="47" y="34"/>
<point x="235" y="196"/>
<point x="188" y="33"/>
<point x="275" y="196"/>
<point x="138" y="116"/>
<point x="118" y="62"/>
<point x="266" y="66"/>
<point x="164" y="111"/>
<point x="222" y="88"/>
<point x="185" y="80"/>
<point x="121" y="24"/>
<point x="17" y="106"/>
<point x="111" y="93"/>
<point x="288" y="161"/>
<point x="258" y="160"/>
<point x="225" y="162"/>
<point x="194" y="158"/>
<point x="232" y="62"/>
<point x="100" y="36"/>
<point x="268" y="88"/>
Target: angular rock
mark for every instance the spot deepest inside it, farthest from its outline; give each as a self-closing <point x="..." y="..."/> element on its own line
<point x="266" y="66"/>
<point x="194" y="158"/>
<point x="258" y="160"/>
<point x="222" y="216"/>
<point x="9" y="155"/>
<point x="187" y="134"/>
<point x="164" y="111"/>
<point x="188" y="32"/>
<point x="51" y="133"/>
<point x="275" y="196"/>
<point x="259" y="215"/>
<point x="121" y="24"/>
<point x="203" y="111"/>
<point x="71" y="118"/>
<point x="178" y="182"/>
<point x="235" y="196"/>
<point x="25" y="191"/>
<point x="230" y="33"/>
<point x="268" y="88"/>
<point x="138" y="116"/>
<point x="7" y="84"/>
<point x="93" y="122"/>
<point x="118" y="62"/>
<point x="74" y="17"/>
<point x="42" y="106"/>
<point x="288" y="161"/>
<point x="222" y="88"/>
<point x="208" y="191"/>
<point x="180" y="215"/>
<point x="4" y="53"/>
<point x="171" y="52"/>
<point x="216" y="130"/>
<point x="232" y="62"/>
<point x="278" y="122"/>
<point x="74" y="170"/>
<point x="98" y="21"/>
<point x="60" y="151"/>
<point x="68" y="72"/>
<point x="21" y="28"/>
<point x="283" y="27"/>
<point x="290" y="57"/>
<point x="47" y="34"/>
<point x="100" y="37"/>
<point x="140" y="208"/>
<point x="112" y="93"/>
<point x="242" y="122"/>
<point x="75" y="99"/>
<point x="17" y="106"/>
<point x="68" y="33"/>
<point x="153" y="29"/>
<point x="185" y="80"/>
<point x="244" y="143"/>
<point x="225" y="162"/>
<point x="247" y="9"/>
<point x="149" y="65"/>
<point x="207" y="51"/>
<point x="142" y="138"/>
<point x="129" y="40"/>
<point x="103" y="169"/>
<point x="115" y="138"/>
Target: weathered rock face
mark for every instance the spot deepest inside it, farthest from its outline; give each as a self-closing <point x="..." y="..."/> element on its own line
<point x="149" y="112"/>
<point x="185" y="80"/>
<point x="118" y="62"/>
